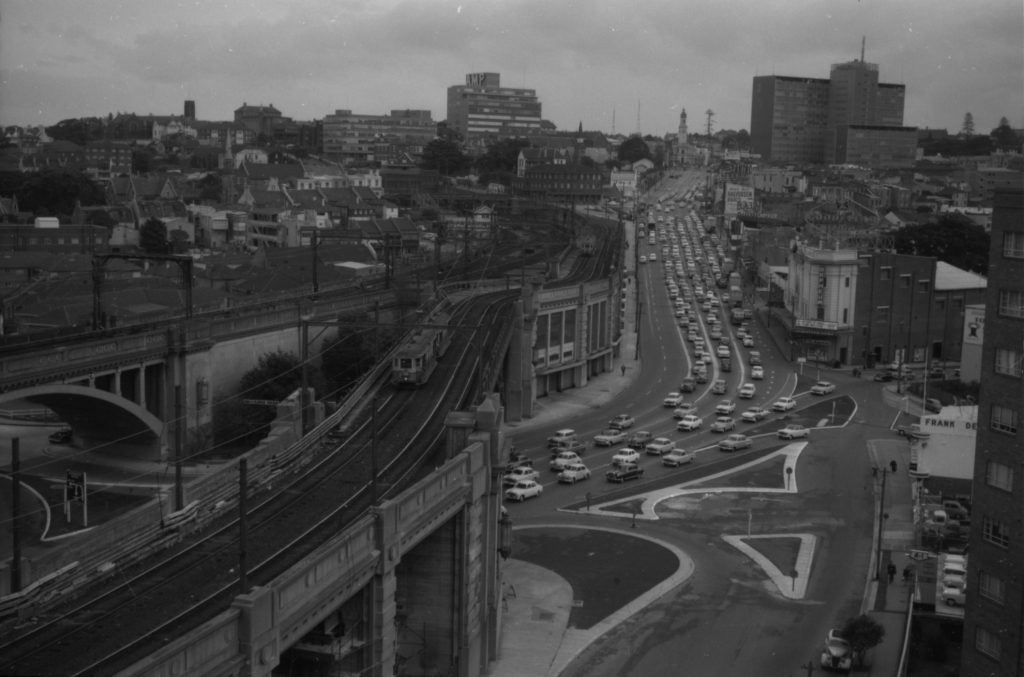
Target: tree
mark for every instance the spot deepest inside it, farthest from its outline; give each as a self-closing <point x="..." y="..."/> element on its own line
<point x="633" y="149"/>
<point x="444" y="156"/>
<point x="142" y="160"/>
<point x="57" y="191"/>
<point x="210" y="187"/>
<point x="1003" y="136"/>
<point x="153" y="237"/>
<point x="968" y="126"/>
<point x="501" y="156"/>
<point x="275" y="377"/>
<point x="353" y="351"/>
<point x="862" y="632"/>
<point x="953" y="238"/>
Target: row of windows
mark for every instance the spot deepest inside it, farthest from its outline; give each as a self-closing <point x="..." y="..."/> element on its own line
<point x="1008" y="362"/>
<point x="1004" y="419"/>
<point x="1011" y="303"/>
<point x="1013" y="245"/>
<point x="999" y="475"/>
<point x="995" y="532"/>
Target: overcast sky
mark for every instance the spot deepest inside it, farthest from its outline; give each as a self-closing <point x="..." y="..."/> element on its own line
<point x="631" y="64"/>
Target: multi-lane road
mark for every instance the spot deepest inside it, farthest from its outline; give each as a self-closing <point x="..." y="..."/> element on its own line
<point x="727" y="618"/>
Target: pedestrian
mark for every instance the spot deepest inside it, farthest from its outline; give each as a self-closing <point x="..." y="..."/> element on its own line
<point x="892" y="572"/>
<point x="908" y="573"/>
<point x="623" y="370"/>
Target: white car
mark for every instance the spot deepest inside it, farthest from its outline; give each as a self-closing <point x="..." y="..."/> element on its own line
<point x="837" y="653"/>
<point x="748" y="341"/>
<point x="673" y="399"/>
<point x="734" y="442"/>
<point x="723" y="424"/>
<point x="678" y="457"/>
<point x="626" y="455"/>
<point x="684" y="409"/>
<point x="574" y="473"/>
<point x="523" y="490"/>
<point x="622" y="421"/>
<point x="690" y="422"/>
<point x="562" y="436"/>
<point x="754" y="414"/>
<point x="784" y="404"/>
<point x="793" y="431"/>
<point x="757" y="372"/>
<point x="563" y="460"/>
<point x="610" y="437"/>
<point x="723" y="351"/>
<point x="747" y="391"/>
<point x="519" y="474"/>
<point x="823" y="388"/>
<point x="954" y="595"/>
<point x="725" y="407"/>
<point x="660" y="446"/>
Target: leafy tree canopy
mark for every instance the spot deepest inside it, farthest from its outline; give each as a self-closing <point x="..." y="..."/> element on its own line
<point x="863" y="633"/>
<point x="1004" y="138"/>
<point x="633" y="149"/>
<point x="57" y="191"/>
<point x="502" y="156"/>
<point x="153" y="237"/>
<point x="444" y="156"/>
<point x="275" y="377"/>
<point x="210" y="187"/>
<point x="352" y="352"/>
<point x="953" y="238"/>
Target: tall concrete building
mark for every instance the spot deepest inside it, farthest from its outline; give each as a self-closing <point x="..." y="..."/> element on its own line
<point x="482" y="108"/>
<point x="993" y="641"/>
<point x="796" y="119"/>
<point x="350" y="137"/>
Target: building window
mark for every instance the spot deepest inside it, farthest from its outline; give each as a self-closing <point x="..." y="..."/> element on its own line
<point x="846" y="312"/>
<point x="922" y="286"/>
<point x="904" y="282"/>
<point x="886" y="273"/>
<point x="987" y="642"/>
<point x="995" y="532"/>
<point x="846" y="283"/>
<point x="1013" y="245"/>
<point x="999" y="475"/>
<point x="1011" y="303"/>
<point x="1004" y="419"/>
<point x="1008" y="362"/>
<point x="940" y="304"/>
<point x="992" y="587"/>
<point x="882" y="313"/>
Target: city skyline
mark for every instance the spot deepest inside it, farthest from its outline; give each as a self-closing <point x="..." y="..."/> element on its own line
<point x="602" y="63"/>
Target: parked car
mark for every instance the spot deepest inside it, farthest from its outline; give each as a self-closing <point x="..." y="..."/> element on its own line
<point x="723" y="424"/>
<point x="725" y="407"/>
<point x="837" y="653"/>
<point x="678" y="457"/>
<point x="673" y="399"/>
<point x="62" y="436"/>
<point x="933" y="405"/>
<point x="883" y="376"/>
<point x="684" y="409"/>
<point x="783" y="404"/>
<point x="622" y="421"/>
<point x="574" y="473"/>
<point x="639" y="439"/>
<point x="563" y="460"/>
<point x="524" y="490"/>
<point x="563" y="435"/>
<point x="518" y="474"/>
<point x="823" y="388"/>
<point x="954" y="595"/>
<point x="754" y="414"/>
<point x="659" y="446"/>
<point x="622" y="473"/>
<point x="747" y="391"/>
<point x="757" y="372"/>
<point x="734" y="442"/>
<point x="610" y="437"/>
<point x="690" y="422"/>
<point x="626" y="455"/>
<point x="793" y="431"/>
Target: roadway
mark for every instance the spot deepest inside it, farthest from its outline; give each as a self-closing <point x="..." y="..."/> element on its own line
<point x="728" y="617"/>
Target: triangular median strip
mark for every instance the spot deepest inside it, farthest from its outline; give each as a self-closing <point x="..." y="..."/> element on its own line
<point x="791" y="583"/>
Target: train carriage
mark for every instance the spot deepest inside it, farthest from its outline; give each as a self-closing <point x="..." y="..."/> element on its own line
<point x="417" y="358"/>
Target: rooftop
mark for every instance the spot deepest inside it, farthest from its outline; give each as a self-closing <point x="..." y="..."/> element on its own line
<point x="950" y="277"/>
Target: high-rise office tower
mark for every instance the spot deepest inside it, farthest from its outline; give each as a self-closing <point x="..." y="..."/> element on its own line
<point x="482" y="107"/>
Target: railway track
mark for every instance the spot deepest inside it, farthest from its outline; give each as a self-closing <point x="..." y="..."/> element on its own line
<point x="114" y="624"/>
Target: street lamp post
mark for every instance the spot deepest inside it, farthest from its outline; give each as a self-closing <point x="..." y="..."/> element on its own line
<point x="881" y="525"/>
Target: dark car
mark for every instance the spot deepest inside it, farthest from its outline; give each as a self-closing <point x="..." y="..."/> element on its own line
<point x="626" y="471"/>
<point x="883" y="376"/>
<point x="62" y="436"/>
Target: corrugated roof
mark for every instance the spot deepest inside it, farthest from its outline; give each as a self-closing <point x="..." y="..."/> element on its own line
<point x="950" y="277"/>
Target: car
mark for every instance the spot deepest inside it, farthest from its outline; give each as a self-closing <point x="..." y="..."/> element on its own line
<point x="517" y="459"/>
<point x="575" y="446"/>
<point x="524" y="490"/>
<point x="748" y="341"/>
<point x="643" y="259"/>
<point x="954" y="595"/>
<point x="628" y="471"/>
<point x="688" y="385"/>
<point x="734" y="442"/>
<point x="883" y="376"/>
<point x="574" y="473"/>
<point x="707" y="359"/>
<point x="754" y="357"/>
<point x="722" y="351"/>
<point x="719" y="387"/>
<point x="690" y="422"/>
<point x="701" y="375"/>
<point x="672" y="399"/>
<point x="660" y="446"/>
<point x="560" y="436"/>
<point x="563" y="460"/>
<point x="622" y="421"/>
<point x="784" y="404"/>
<point x="726" y="363"/>
<point x="518" y="474"/>
<point x="757" y="372"/>
<point x="610" y="437"/>
<point x="639" y="439"/>
<point x="678" y="457"/>
<point x="723" y="424"/>
<point x="754" y="414"/>
<point x="793" y="431"/>
<point x="747" y="391"/>
<point x="933" y="405"/>
<point x="725" y="407"/>
<point x="62" y="436"/>
<point x="652" y="257"/>
<point x="823" y="388"/>
<point x="936" y="373"/>
<point x="626" y="455"/>
<point x="837" y="653"/>
<point x="684" y="409"/>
